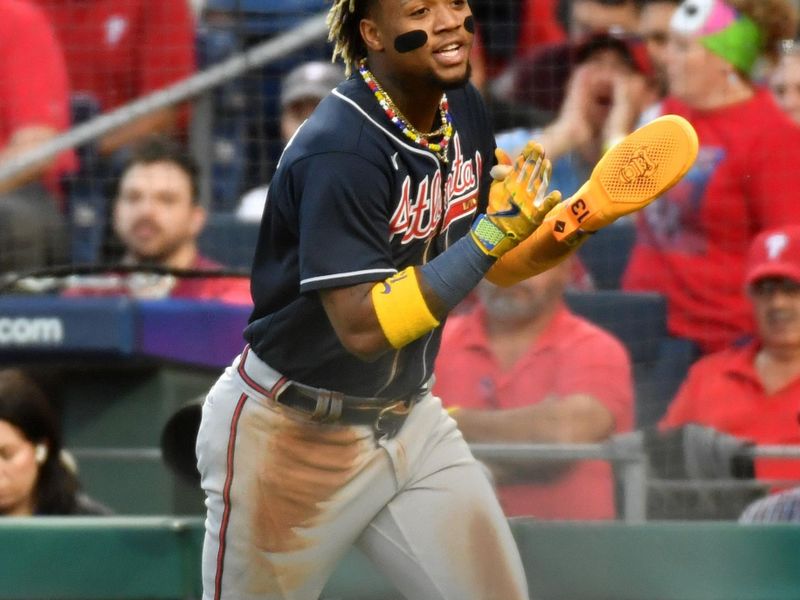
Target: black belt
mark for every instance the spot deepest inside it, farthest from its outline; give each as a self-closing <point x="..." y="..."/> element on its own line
<point x="386" y="416"/>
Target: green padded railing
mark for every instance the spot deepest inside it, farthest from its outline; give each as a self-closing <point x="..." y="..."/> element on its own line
<point x="159" y="557"/>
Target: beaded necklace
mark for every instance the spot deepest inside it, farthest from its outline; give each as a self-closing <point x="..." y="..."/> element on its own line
<point x="419" y="138"/>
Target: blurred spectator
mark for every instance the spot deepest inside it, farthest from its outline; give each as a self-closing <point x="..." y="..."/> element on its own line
<point x="521" y="368"/>
<point x="608" y="87"/>
<point x="784" y="81"/>
<point x="532" y="89"/>
<point x="654" y="20"/>
<point x="120" y="50"/>
<point x="157" y="218"/>
<point x="34" y="107"/>
<point x="691" y="244"/>
<point x="599" y="16"/>
<point x="301" y="90"/>
<point x="36" y="478"/>
<point x="507" y="30"/>
<point x="752" y="390"/>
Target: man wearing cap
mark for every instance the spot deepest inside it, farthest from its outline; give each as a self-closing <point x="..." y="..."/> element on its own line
<point x="752" y="390"/>
<point x="301" y="90"/>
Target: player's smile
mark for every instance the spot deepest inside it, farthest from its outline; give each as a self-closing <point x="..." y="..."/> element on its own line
<point x="451" y="54"/>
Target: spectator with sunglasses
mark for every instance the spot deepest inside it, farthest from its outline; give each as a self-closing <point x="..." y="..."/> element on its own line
<point x="752" y="390"/>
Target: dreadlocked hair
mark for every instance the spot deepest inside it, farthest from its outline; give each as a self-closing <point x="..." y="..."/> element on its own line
<point x="343" y="21"/>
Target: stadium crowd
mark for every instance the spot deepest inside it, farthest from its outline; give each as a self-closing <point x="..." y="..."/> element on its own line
<point x="577" y="75"/>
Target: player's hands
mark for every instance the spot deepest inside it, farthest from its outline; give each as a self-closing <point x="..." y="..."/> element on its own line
<point x="518" y="200"/>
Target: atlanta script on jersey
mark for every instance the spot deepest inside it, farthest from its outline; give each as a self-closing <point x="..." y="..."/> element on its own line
<point x="353" y="201"/>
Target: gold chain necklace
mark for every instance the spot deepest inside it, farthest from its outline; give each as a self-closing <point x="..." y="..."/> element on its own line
<point x="419" y="138"/>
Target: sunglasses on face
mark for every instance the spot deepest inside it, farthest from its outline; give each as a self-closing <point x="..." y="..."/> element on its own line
<point x="771" y="286"/>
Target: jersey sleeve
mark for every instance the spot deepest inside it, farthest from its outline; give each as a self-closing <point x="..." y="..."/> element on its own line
<point x="343" y="221"/>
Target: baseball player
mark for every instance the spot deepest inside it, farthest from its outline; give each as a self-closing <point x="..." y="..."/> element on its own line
<point x="382" y="216"/>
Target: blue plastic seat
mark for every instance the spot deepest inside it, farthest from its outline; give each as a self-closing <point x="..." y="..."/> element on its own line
<point x="606" y="254"/>
<point x="229" y="240"/>
<point x="639" y="320"/>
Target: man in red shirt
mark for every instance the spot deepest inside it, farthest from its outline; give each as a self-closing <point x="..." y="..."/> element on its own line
<point x="753" y="391"/>
<point x="158" y="219"/>
<point x="521" y="368"/>
<point x="34" y="108"/>
<point x="120" y="50"/>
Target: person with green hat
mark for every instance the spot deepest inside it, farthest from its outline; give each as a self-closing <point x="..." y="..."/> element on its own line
<point x="691" y="246"/>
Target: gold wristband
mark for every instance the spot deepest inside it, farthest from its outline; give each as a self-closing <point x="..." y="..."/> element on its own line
<point x="401" y="309"/>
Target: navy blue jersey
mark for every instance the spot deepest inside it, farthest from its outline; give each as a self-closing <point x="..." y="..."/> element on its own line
<point x="354" y="201"/>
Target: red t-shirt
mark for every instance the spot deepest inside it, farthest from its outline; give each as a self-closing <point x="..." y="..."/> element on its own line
<point x="119" y="50"/>
<point x="34" y="89"/>
<point x="691" y="243"/>
<point x="571" y="356"/>
<point x="233" y="290"/>
<point x="723" y="391"/>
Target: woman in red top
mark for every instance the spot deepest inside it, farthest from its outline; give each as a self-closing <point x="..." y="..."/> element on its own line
<point x="691" y="244"/>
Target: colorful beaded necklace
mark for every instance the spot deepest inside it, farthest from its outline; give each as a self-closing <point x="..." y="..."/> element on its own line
<point x="419" y="138"/>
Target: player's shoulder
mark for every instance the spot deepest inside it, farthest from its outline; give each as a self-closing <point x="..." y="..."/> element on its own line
<point x="468" y="101"/>
<point x="466" y="94"/>
<point x="344" y="123"/>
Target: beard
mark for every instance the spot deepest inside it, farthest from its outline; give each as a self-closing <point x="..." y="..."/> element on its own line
<point x="451" y="84"/>
<point x="459" y="82"/>
<point x="510" y="307"/>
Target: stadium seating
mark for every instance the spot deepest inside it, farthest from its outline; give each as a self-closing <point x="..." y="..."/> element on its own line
<point x="244" y="130"/>
<point x="259" y="18"/>
<point x="229" y="240"/>
<point x="85" y="189"/>
<point x="227" y="121"/>
<point x="606" y="254"/>
<point x="639" y="320"/>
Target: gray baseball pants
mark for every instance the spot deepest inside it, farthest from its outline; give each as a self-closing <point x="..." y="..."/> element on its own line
<point x="288" y="497"/>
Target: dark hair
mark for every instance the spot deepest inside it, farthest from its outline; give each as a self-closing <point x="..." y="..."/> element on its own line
<point x="159" y="148"/>
<point x="564" y="8"/>
<point x="24" y="405"/>
<point x="643" y="3"/>
<point x="777" y="20"/>
<point x="344" y="30"/>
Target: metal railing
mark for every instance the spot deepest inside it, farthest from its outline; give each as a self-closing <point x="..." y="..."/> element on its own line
<point x="630" y="460"/>
<point x="309" y="31"/>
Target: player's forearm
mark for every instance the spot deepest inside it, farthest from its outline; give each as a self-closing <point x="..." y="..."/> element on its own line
<point x="373" y="318"/>
<point x="540" y="252"/>
<point x="353" y="318"/>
